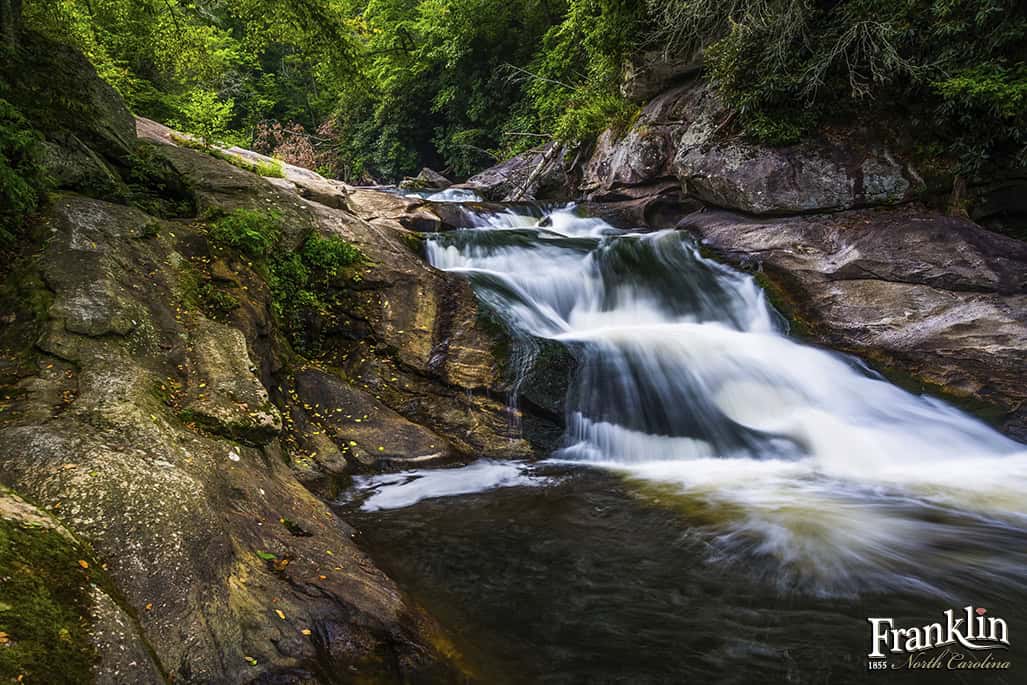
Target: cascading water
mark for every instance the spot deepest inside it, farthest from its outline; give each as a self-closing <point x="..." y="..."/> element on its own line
<point x="728" y="505"/>
<point x="685" y="377"/>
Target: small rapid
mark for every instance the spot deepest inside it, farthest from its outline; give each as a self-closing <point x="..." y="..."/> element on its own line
<point x="805" y="463"/>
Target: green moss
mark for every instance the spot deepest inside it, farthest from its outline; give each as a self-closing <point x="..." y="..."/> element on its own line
<point x="302" y="282"/>
<point x="272" y="169"/>
<point x="308" y="281"/>
<point x="44" y="607"/>
<point x="414" y="241"/>
<point x="328" y="255"/>
<point x="989" y="413"/>
<point x="785" y="301"/>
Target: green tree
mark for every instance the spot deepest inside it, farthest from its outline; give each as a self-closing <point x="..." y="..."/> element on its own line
<point x="207" y="115"/>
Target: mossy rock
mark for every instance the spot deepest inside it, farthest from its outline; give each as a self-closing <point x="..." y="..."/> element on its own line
<point x="45" y="600"/>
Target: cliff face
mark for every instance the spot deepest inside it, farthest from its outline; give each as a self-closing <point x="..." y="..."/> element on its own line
<point x="843" y="230"/>
<point x="156" y="412"/>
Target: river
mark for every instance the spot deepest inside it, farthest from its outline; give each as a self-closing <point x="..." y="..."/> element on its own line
<point x="728" y="502"/>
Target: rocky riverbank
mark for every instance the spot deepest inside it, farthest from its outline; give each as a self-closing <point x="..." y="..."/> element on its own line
<point x="179" y="418"/>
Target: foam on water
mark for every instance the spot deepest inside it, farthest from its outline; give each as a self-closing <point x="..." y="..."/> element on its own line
<point x="397" y="490"/>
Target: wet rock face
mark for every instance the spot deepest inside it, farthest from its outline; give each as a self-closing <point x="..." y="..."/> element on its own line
<point x="367" y="429"/>
<point x="938" y="298"/>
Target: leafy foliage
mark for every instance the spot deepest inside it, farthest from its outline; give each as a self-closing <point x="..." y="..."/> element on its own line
<point x="252" y="232"/>
<point x="957" y="66"/>
<point x="205" y="114"/>
<point x="326" y="256"/>
<point x="22" y="179"/>
<point x="375" y="89"/>
<point x="268" y="59"/>
<point x="302" y="282"/>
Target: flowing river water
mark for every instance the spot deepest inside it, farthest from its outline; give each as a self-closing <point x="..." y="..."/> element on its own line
<point x="728" y="503"/>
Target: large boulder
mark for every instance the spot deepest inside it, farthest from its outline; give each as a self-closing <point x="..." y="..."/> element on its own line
<point x="620" y="165"/>
<point x="427" y="179"/>
<point x="89" y="134"/>
<point x="929" y="297"/>
<point x="629" y="163"/>
<point x="542" y="173"/>
<point x="686" y="134"/>
<point x="824" y="174"/>
<point x="219" y="187"/>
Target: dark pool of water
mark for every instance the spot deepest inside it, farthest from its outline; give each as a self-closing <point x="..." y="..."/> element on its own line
<point x="588" y="580"/>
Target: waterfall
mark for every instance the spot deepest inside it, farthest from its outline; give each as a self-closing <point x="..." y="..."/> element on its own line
<point x="686" y="376"/>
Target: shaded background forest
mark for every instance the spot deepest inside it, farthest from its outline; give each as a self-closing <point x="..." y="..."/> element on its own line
<point x="375" y="89"/>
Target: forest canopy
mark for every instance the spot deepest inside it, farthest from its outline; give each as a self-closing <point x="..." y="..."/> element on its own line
<point x="375" y="89"/>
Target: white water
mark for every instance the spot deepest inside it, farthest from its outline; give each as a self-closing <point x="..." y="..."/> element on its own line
<point x="447" y="195"/>
<point x="396" y="490"/>
<point x="802" y="458"/>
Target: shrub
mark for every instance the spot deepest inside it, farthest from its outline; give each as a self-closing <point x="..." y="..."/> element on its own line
<point x="23" y="181"/>
<point x="206" y="115"/>
<point x="326" y="255"/>
<point x="252" y="232"/>
<point x="302" y="282"/>
<point x="289" y="143"/>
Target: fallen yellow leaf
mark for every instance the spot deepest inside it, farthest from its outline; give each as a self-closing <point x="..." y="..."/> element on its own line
<point x="83" y="563"/>
<point x="305" y="631"/>
<point x="281" y="614"/>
